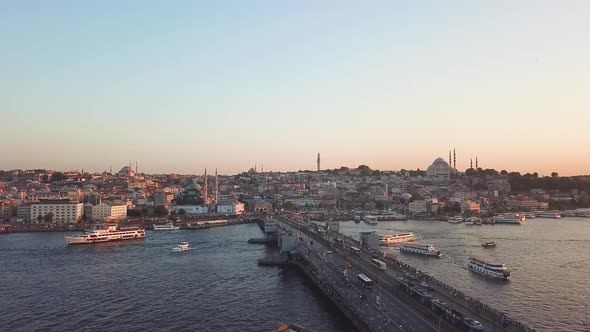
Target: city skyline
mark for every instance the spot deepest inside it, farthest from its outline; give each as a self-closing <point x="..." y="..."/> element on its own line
<point x="186" y="87"/>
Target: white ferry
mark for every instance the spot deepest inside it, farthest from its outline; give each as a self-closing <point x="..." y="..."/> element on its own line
<point x="455" y="220"/>
<point x="554" y="215"/>
<point x="395" y="239"/>
<point x="392" y="216"/>
<point x="167" y="227"/>
<point x="112" y="233"/>
<point x="422" y="249"/>
<point x="371" y="220"/>
<point x="184" y="246"/>
<point x="489" y="268"/>
<point x="515" y="220"/>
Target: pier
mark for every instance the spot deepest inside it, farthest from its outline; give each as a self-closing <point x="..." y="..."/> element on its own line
<point x="398" y="300"/>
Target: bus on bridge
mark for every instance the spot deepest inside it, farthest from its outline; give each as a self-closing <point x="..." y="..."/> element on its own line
<point x="379" y="264"/>
<point x="365" y="281"/>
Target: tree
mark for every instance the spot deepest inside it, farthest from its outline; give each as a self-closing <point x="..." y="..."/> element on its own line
<point x="503" y="172"/>
<point x="417" y="196"/>
<point x="290" y="206"/>
<point x="554" y="175"/>
<point x="49" y="218"/>
<point x="57" y="176"/>
<point x="40" y="218"/>
<point x="161" y="211"/>
<point x="182" y="212"/>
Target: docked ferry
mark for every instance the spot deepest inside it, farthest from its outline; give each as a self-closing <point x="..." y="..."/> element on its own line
<point x="167" y="227"/>
<point x="395" y="239"/>
<point x="489" y="268"/>
<point x="422" y="249"/>
<point x="371" y="220"/>
<point x="112" y="233"/>
<point x="554" y="215"/>
<point x="514" y="219"/>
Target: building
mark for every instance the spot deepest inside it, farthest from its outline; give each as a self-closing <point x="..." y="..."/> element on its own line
<point x="418" y="206"/>
<point x="191" y="209"/>
<point x="163" y="198"/>
<point x="439" y="169"/>
<point x="470" y="206"/>
<point x="529" y="204"/>
<point x="234" y="208"/>
<point x="63" y="211"/>
<point x="108" y="211"/>
<point x="23" y="212"/>
<point x="260" y="206"/>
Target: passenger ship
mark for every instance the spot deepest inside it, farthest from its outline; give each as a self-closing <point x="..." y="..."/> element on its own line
<point x="167" y="227"/>
<point x="112" y="233"/>
<point x="422" y="249"/>
<point x="394" y="239"/>
<point x="514" y="219"/>
<point x="489" y="268"/>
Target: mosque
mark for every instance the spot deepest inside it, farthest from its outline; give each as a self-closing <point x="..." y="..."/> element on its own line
<point x="440" y="169"/>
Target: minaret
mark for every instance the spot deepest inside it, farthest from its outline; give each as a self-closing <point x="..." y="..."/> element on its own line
<point x="476" y="163"/>
<point x="454" y="159"/>
<point x="129" y="169"/>
<point x="111" y="170"/>
<point x="261" y="168"/>
<point x="471" y="163"/>
<point x="136" y="168"/>
<point x="216" y="187"/>
<point x="255" y="168"/>
<point x="318" y="161"/>
<point x="206" y="187"/>
<point x="450" y="160"/>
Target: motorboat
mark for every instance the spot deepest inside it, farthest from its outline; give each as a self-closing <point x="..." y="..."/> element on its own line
<point x="181" y="247"/>
<point x="488" y="244"/>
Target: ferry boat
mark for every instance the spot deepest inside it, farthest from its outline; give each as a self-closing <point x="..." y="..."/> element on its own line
<point x="111" y="233"/>
<point x="395" y="239"/>
<point x="357" y="219"/>
<point x="554" y="215"/>
<point x="515" y="220"/>
<point x="167" y="227"/>
<point x="489" y="268"/>
<point x="181" y="247"/>
<point x="5" y="228"/>
<point x="371" y="220"/>
<point x="392" y="216"/>
<point x="422" y="249"/>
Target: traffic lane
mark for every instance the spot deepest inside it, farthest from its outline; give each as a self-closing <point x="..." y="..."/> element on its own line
<point x="406" y="314"/>
<point x="369" y="314"/>
<point x="391" y="283"/>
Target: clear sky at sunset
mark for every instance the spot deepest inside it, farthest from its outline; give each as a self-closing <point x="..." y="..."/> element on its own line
<point x="184" y="85"/>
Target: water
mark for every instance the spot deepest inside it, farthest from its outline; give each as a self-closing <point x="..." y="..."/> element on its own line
<point x="143" y="286"/>
<point x="549" y="259"/>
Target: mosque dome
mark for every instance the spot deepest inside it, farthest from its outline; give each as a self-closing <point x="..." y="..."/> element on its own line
<point x="439" y="169"/>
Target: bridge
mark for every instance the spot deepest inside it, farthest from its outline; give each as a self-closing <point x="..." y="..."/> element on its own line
<point x="400" y="298"/>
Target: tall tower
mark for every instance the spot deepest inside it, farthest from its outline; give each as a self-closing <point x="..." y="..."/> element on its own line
<point x="136" y="168"/>
<point x="261" y="168"/>
<point x="255" y="168"/>
<point x="216" y="187"/>
<point x="205" y="196"/>
<point x="454" y="159"/>
<point x="471" y="163"/>
<point x="476" y="163"/>
<point x="450" y="160"/>
<point x="318" y="161"/>
<point x="129" y="169"/>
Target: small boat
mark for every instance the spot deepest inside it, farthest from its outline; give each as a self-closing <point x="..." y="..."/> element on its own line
<point x="488" y="244"/>
<point x="181" y="247"/>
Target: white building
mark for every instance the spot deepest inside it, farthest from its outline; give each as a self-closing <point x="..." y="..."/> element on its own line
<point x="418" y="206"/>
<point x="234" y="208"/>
<point x="192" y="209"/>
<point x="63" y="212"/>
<point x="106" y="211"/>
<point x="439" y="169"/>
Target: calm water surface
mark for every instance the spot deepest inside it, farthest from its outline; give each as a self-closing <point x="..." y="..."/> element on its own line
<point x="549" y="259"/>
<point x="143" y="286"/>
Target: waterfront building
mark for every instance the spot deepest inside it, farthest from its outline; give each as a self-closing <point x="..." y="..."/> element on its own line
<point x="191" y="209"/>
<point x="23" y="212"/>
<point x="108" y="211"/>
<point x="520" y="204"/>
<point x="231" y="208"/>
<point x="470" y="206"/>
<point x="418" y="206"/>
<point x="63" y="211"/>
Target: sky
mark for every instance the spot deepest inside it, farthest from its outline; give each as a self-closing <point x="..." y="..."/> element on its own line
<point x="179" y="86"/>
